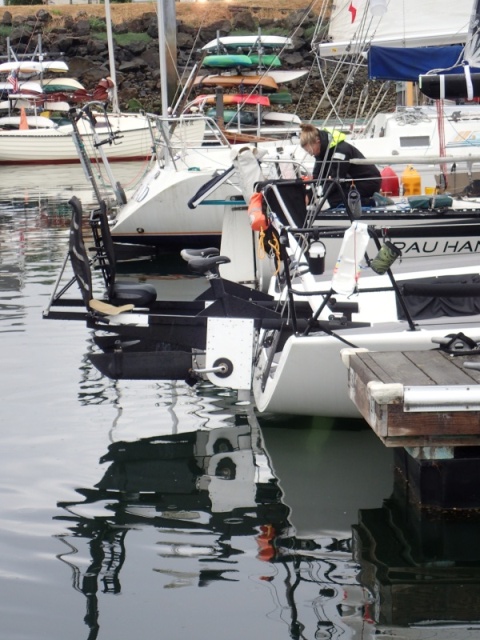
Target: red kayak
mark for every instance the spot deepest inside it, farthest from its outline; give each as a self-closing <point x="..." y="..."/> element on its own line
<point x="234" y="98"/>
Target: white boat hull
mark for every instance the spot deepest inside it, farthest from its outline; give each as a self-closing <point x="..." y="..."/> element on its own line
<point x="411" y="137"/>
<point x="56" y="146"/>
<point x="308" y="377"/>
<point x="311" y="379"/>
<point x="158" y="213"/>
<point x="420" y="239"/>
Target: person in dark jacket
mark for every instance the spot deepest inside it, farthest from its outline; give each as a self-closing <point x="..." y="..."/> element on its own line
<point x="332" y="154"/>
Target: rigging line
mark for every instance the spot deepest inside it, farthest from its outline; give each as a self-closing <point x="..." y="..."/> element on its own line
<point x="24" y="56"/>
<point x="326" y="94"/>
<point x="338" y="103"/>
<point x="187" y="66"/>
<point x="341" y="95"/>
<point x="375" y="108"/>
<point x="34" y="32"/>
<point x="307" y="10"/>
<point x="305" y="84"/>
<point x="362" y="103"/>
<point x="337" y="71"/>
<point x="190" y="56"/>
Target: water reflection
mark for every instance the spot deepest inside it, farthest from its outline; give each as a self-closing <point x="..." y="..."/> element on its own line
<point x="193" y="498"/>
<point x="215" y="506"/>
<point x="421" y="566"/>
<point x="27" y="252"/>
<point x="41" y="180"/>
<point x="47" y="187"/>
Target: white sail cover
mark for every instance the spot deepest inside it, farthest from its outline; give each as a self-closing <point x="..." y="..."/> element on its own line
<point x="472" y="48"/>
<point x="405" y="23"/>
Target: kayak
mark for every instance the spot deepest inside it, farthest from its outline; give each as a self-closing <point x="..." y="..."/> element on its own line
<point x="257" y="81"/>
<point x="227" y="61"/>
<point x="235" y="98"/>
<point x="236" y="42"/>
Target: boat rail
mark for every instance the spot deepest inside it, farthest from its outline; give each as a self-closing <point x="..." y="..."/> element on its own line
<point x="425" y="159"/>
<point x="189" y="131"/>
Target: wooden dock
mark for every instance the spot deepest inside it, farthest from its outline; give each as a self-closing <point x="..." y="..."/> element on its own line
<point x="427" y="405"/>
<point x="417" y="398"/>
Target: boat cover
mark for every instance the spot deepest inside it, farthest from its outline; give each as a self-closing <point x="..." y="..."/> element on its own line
<point x="406" y="64"/>
<point x="451" y="296"/>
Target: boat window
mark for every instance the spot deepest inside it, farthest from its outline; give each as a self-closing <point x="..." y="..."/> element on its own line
<point x="414" y="141"/>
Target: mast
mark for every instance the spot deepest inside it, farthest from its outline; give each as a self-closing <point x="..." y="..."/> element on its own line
<point x="111" y="56"/>
<point x="167" y="45"/>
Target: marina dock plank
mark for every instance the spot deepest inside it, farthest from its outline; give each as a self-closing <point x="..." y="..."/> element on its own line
<point x="380" y="384"/>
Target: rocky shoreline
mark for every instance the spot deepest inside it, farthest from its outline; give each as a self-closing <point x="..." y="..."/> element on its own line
<point x="76" y="39"/>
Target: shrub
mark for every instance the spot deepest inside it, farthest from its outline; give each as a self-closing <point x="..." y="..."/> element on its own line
<point x="134" y="105"/>
<point x="97" y="24"/>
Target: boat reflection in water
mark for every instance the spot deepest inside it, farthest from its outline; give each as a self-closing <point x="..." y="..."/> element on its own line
<point x="422" y="567"/>
<point x="217" y="515"/>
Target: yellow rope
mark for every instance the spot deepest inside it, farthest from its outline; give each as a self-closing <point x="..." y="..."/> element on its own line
<point x="275" y="247"/>
<point x="261" y="245"/>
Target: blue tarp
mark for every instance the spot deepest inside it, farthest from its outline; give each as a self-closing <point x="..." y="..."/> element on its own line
<point x="406" y="64"/>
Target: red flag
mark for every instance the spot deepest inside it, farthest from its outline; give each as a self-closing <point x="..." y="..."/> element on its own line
<point x="353" y="11"/>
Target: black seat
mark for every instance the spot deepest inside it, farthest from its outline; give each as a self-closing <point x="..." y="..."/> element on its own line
<point x="131" y="295"/>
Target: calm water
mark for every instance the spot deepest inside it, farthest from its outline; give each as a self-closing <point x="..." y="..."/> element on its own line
<point x="154" y="510"/>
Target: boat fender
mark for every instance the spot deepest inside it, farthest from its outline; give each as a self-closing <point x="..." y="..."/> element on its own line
<point x="382" y="393"/>
<point x="258" y="219"/>
<point x="265" y="541"/>
<point x="354" y="202"/>
<point x="390" y="182"/>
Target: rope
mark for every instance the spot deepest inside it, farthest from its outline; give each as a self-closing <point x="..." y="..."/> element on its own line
<point x="275" y="247"/>
<point x="261" y="245"/>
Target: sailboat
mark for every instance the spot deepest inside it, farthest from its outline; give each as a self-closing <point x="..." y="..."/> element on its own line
<point x="398" y="42"/>
<point x="36" y="129"/>
<point x="192" y="150"/>
<point x="286" y="355"/>
<point x="409" y="136"/>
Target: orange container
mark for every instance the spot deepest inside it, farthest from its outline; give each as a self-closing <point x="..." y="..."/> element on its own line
<point x="411" y="182"/>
